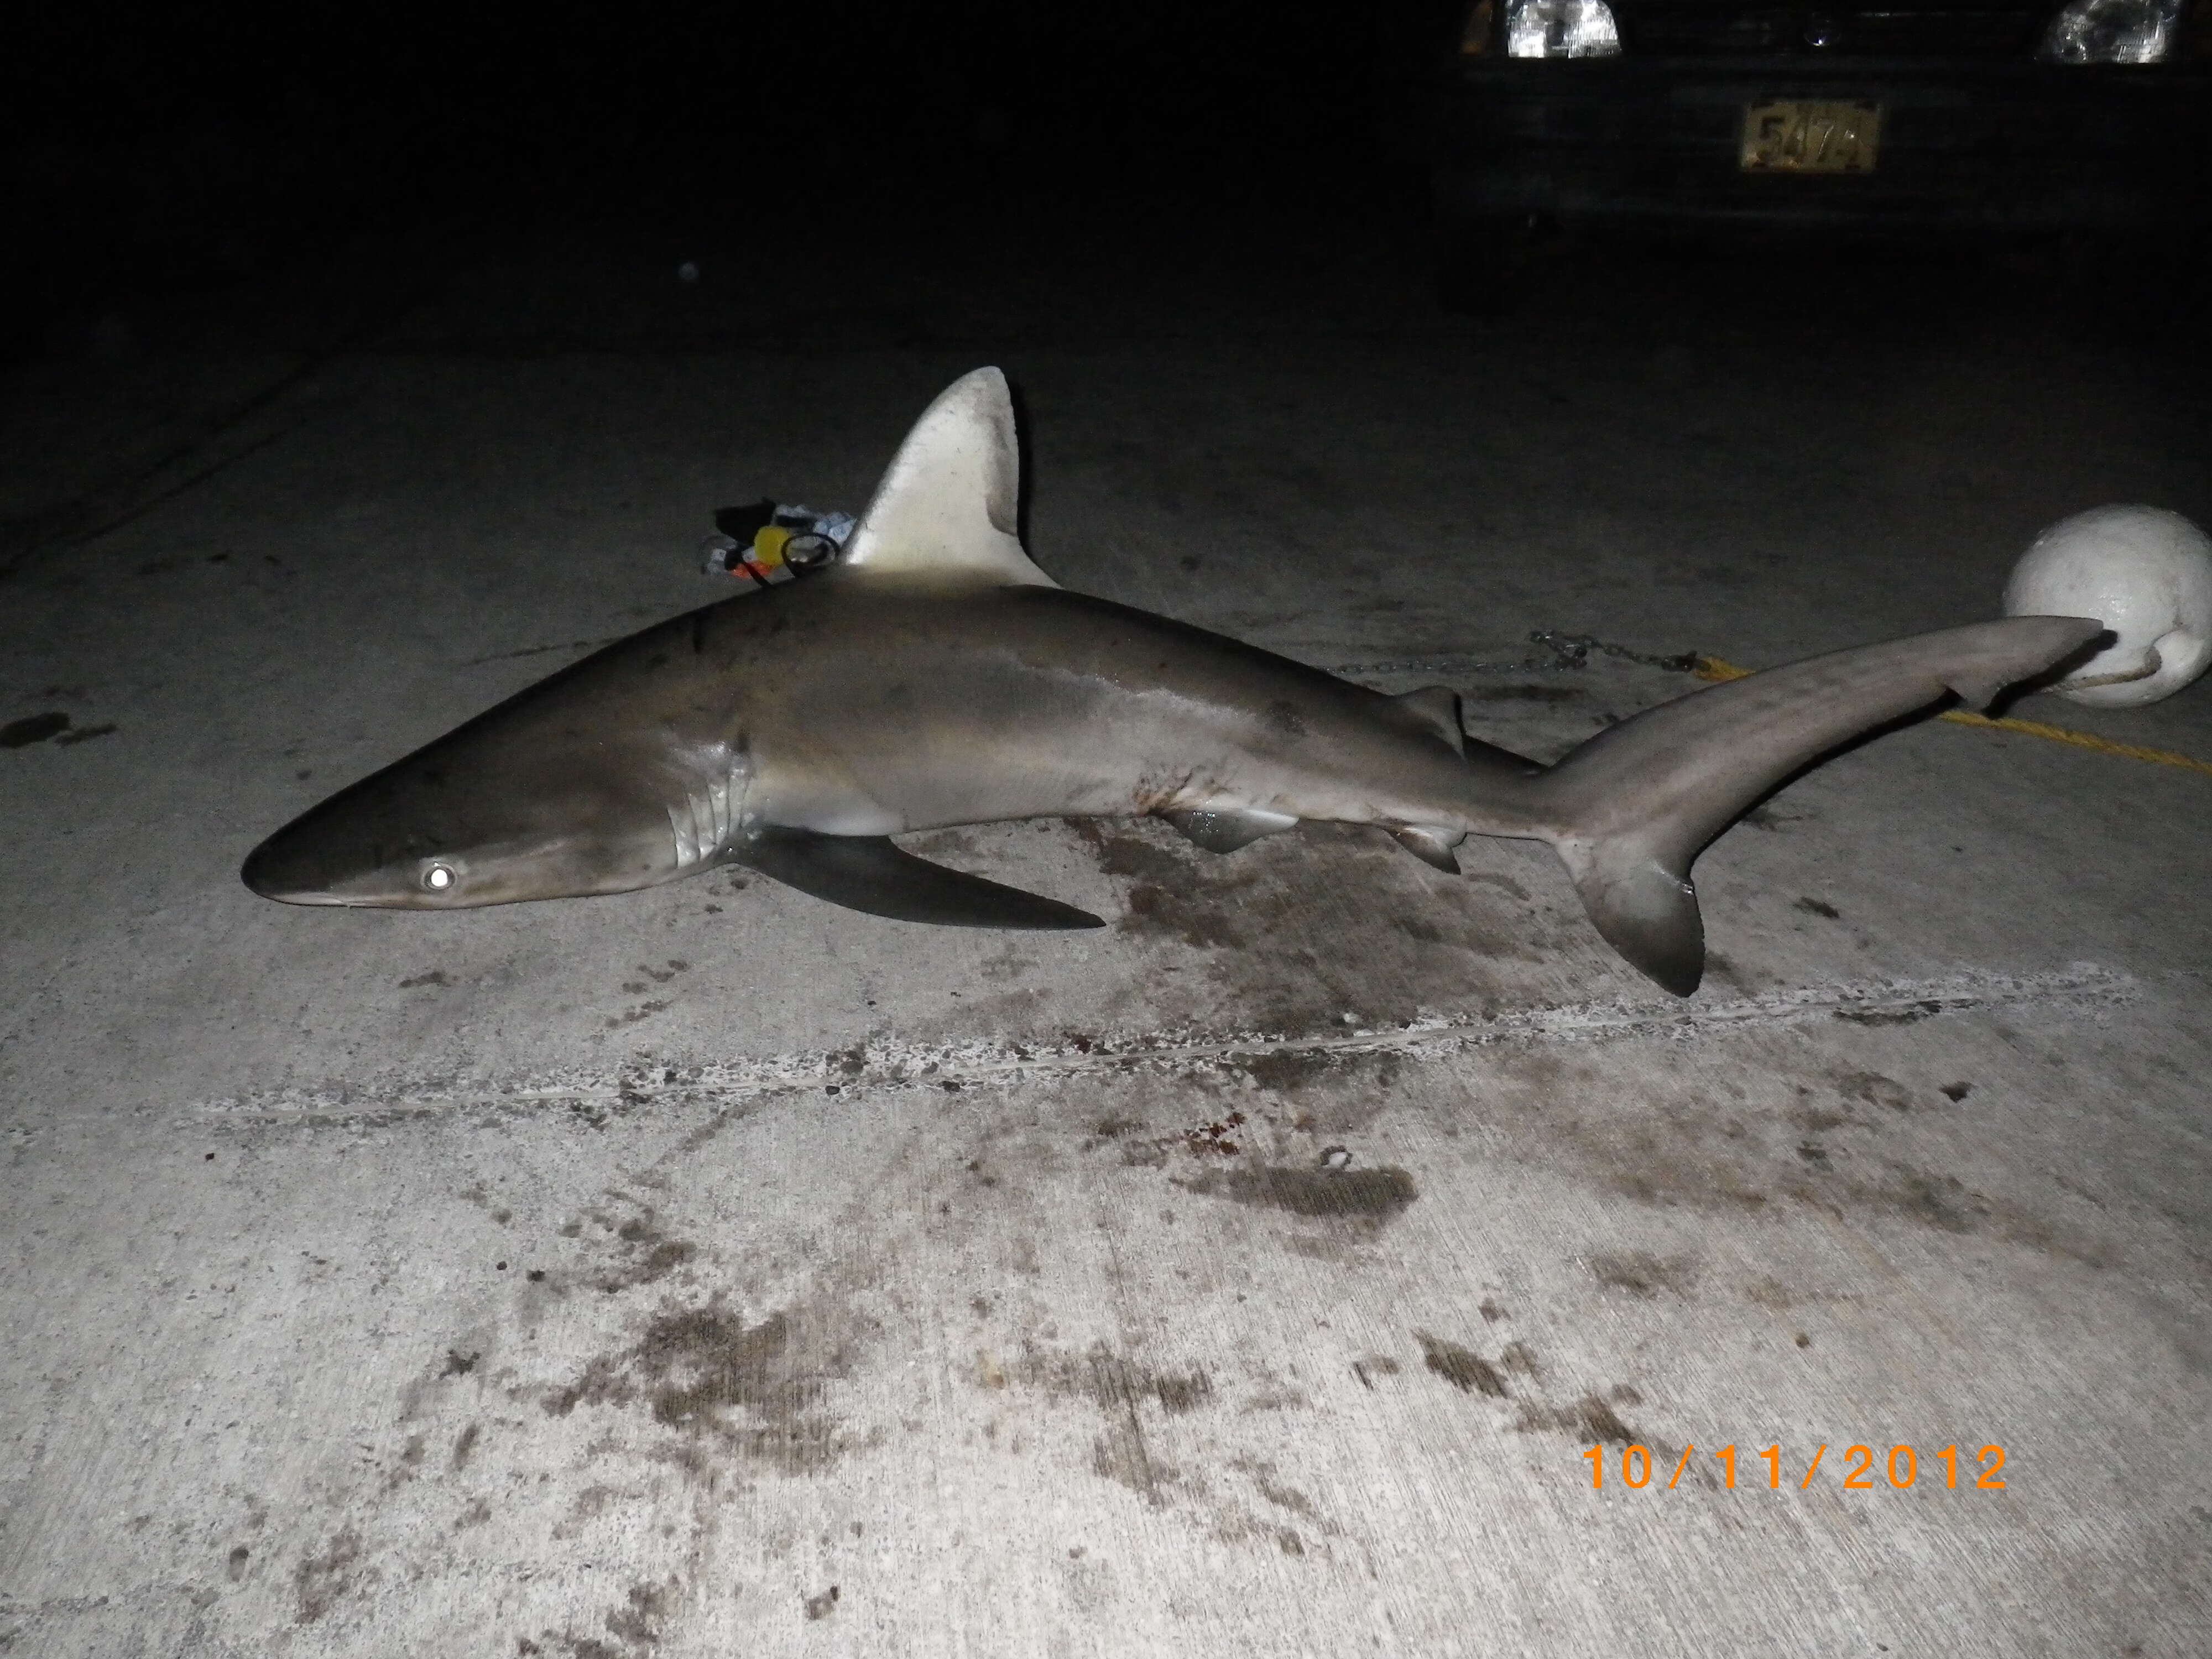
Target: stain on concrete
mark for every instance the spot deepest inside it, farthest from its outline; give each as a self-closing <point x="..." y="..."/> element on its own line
<point x="1118" y="852"/>
<point x="574" y="1647"/>
<point x="1285" y="1070"/>
<point x="1368" y="1367"/>
<point x="1520" y="1358"/>
<point x="1160" y="912"/>
<point x="1112" y="1127"/>
<point x="1464" y="1369"/>
<point x="822" y="1605"/>
<point x="1282" y="1497"/>
<point x="644" y="1252"/>
<point x="1215" y="1139"/>
<point x="1591" y="1418"/>
<point x="706" y="1371"/>
<point x="1813" y="907"/>
<point x="323" y="1581"/>
<point x="235" y="1563"/>
<point x="1643" y="1274"/>
<point x="1124" y="1394"/>
<point x="1173" y="897"/>
<point x="1123" y="1456"/>
<point x="1874" y="1090"/>
<point x="1943" y="1202"/>
<point x="436" y="976"/>
<point x="1374" y="1196"/>
<point x="465" y="1445"/>
<point x="1111" y="1382"/>
<point x="638" y="1625"/>
<point x="35" y="728"/>
<point x="1818" y="1120"/>
<point x="1563" y="1114"/>
<point x="459" y="1363"/>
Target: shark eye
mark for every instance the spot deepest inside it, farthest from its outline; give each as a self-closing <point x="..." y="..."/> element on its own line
<point x="438" y="878"/>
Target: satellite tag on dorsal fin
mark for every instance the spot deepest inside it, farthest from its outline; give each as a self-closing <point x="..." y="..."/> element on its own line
<point x="947" y="501"/>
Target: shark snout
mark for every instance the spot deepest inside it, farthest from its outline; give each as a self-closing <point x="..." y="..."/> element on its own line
<point x="282" y="869"/>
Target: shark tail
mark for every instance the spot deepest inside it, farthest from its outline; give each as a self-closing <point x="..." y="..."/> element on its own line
<point x="1629" y="810"/>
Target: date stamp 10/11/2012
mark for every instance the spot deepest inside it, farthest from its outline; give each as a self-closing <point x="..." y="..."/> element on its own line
<point x="1900" y="1470"/>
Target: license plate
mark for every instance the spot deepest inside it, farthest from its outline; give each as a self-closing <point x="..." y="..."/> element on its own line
<point x="1793" y="135"/>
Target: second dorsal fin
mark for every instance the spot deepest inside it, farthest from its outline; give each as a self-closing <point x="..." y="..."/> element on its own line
<point x="947" y="502"/>
<point x="1436" y="709"/>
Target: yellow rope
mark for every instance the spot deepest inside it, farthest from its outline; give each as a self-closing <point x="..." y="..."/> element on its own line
<point x="1712" y="668"/>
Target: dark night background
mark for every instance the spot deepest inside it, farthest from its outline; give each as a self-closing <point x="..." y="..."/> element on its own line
<point x="156" y="157"/>
<point x="157" y="152"/>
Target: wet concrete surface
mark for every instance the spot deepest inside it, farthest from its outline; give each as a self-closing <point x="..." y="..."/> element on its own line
<point x="708" y="1267"/>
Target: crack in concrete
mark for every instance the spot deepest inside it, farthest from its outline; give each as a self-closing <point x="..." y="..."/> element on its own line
<point x="884" y="1062"/>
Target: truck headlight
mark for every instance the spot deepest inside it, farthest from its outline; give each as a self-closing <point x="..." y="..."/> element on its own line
<point x="1569" y="28"/>
<point x="2112" y="32"/>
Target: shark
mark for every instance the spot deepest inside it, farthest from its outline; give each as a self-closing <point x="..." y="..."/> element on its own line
<point x="934" y="676"/>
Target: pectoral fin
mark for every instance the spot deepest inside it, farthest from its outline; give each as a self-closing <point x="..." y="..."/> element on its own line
<point x="868" y="873"/>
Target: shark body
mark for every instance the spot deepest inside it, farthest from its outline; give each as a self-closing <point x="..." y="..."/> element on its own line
<point x="935" y="677"/>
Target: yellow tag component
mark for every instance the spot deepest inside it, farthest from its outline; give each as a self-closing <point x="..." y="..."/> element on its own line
<point x="1712" y="668"/>
<point x="768" y="545"/>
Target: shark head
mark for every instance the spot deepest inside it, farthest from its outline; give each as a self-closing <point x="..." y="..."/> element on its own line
<point x="486" y="817"/>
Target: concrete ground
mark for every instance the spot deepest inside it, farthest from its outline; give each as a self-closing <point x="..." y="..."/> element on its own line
<point x="711" y="1270"/>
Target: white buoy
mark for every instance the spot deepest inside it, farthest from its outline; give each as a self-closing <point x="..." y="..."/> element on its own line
<point x="2146" y="575"/>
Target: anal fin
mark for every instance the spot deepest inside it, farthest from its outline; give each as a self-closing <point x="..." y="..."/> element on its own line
<point x="869" y="873"/>
<point x="1226" y="831"/>
<point x="1430" y="844"/>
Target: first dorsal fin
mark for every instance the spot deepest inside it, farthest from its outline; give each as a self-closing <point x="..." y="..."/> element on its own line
<point x="947" y="501"/>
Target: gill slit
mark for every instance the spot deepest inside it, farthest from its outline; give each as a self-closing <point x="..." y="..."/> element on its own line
<point x="700" y="825"/>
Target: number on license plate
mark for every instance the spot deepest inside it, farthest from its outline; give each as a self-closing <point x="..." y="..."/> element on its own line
<point x="1795" y="135"/>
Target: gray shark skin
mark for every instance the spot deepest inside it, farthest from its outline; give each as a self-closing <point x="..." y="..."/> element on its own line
<point x="935" y="677"/>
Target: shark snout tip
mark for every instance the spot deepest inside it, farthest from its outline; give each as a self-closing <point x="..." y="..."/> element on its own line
<point x="266" y="872"/>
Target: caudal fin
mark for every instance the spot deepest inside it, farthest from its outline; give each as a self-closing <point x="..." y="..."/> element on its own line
<point x="1630" y="808"/>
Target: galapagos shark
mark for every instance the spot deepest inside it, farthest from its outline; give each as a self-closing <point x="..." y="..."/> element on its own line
<point x="934" y="676"/>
